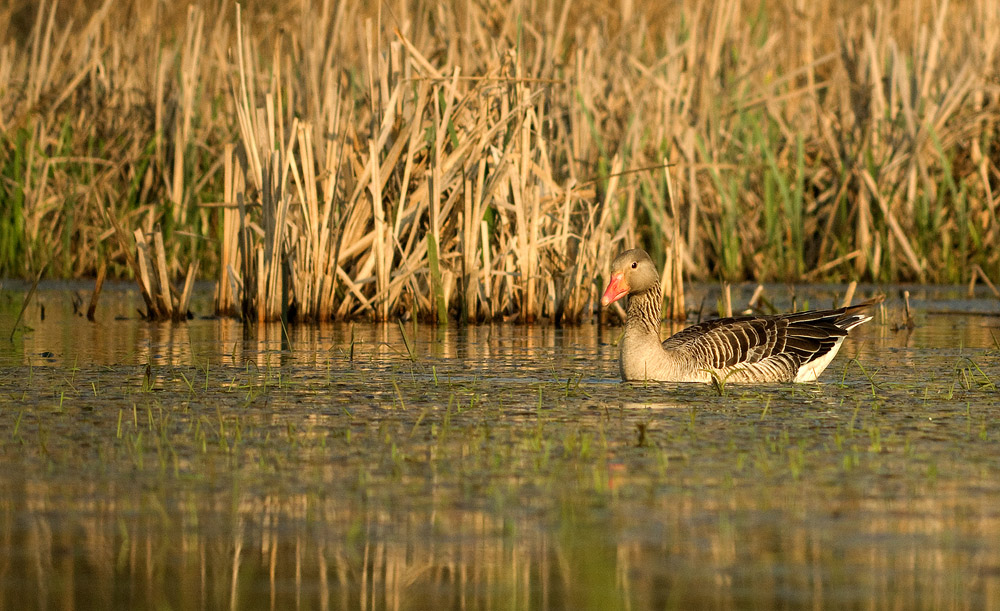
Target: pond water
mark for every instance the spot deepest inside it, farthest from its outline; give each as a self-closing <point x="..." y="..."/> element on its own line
<point x="205" y="465"/>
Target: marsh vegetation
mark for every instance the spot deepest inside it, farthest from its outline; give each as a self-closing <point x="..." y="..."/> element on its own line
<point x="433" y="160"/>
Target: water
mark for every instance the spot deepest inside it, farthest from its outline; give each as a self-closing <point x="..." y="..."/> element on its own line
<point x="202" y="465"/>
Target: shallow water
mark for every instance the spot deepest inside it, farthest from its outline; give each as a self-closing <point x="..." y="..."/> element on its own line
<point x="202" y="465"/>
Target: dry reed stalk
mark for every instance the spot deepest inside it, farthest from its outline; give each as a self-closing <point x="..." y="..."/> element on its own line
<point x="471" y="220"/>
<point x="674" y="279"/>
<point x="162" y="279"/>
<point x="908" y="321"/>
<point x="227" y="286"/>
<point x="190" y="57"/>
<point x="382" y="251"/>
<point x="727" y="300"/>
<point x="96" y="295"/>
<point x="832" y="264"/>
<point x="979" y="274"/>
<point x="24" y="304"/>
<point x="849" y="293"/>
<point x="147" y="280"/>
<point x="987" y="281"/>
<point x="755" y="298"/>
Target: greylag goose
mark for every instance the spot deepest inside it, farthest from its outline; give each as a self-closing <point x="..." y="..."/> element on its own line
<point x="747" y="349"/>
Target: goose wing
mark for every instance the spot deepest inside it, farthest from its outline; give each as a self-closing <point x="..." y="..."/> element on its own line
<point x="784" y="342"/>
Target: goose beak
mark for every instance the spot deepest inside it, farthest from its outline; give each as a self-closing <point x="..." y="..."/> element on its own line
<point x="617" y="289"/>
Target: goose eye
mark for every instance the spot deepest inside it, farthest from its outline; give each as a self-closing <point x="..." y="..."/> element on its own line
<point x="635" y="264"/>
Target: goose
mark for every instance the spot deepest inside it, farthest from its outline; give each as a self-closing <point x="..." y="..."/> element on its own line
<point x="745" y="349"/>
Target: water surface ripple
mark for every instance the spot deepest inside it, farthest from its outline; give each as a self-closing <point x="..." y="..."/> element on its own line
<point x="208" y="465"/>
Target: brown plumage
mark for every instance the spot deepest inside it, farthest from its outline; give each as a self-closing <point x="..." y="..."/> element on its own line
<point x="748" y="349"/>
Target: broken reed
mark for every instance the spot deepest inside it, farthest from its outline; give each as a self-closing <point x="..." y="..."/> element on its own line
<point x="809" y="141"/>
<point x="149" y="266"/>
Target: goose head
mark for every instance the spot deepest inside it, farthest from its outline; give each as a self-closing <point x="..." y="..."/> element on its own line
<point x="632" y="272"/>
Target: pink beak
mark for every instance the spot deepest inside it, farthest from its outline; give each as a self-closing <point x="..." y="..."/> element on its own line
<point x="617" y="288"/>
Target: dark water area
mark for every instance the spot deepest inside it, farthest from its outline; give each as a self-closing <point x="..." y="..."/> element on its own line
<point x="210" y="465"/>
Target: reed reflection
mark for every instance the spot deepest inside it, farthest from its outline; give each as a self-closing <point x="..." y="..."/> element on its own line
<point x="234" y="549"/>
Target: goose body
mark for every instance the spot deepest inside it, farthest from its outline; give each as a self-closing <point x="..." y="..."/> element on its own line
<point x="744" y="349"/>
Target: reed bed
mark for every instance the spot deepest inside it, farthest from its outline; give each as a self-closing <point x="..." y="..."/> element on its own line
<point x="439" y="160"/>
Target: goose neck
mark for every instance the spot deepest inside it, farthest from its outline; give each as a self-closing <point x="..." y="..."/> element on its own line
<point x="643" y="314"/>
